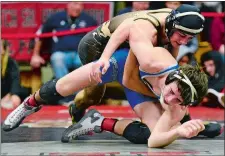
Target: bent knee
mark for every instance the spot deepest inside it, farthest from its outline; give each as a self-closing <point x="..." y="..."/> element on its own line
<point x="137" y="133"/>
<point x="62" y="87"/>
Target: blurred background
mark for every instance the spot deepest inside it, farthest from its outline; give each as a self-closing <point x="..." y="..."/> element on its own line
<point x="28" y="61"/>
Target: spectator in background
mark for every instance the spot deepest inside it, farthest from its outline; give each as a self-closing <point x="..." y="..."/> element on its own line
<point x="172" y="4"/>
<point x="208" y="7"/>
<point x="186" y="52"/>
<point x="213" y="65"/>
<point x="10" y="79"/>
<point x="184" y="58"/>
<point x="136" y="6"/>
<point x="216" y="6"/>
<point x="64" y="48"/>
<point x="64" y="57"/>
<point x="192" y="45"/>
<point x="217" y="34"/>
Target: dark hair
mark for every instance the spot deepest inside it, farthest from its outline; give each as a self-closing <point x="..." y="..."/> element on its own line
<point x="198" y="79"/>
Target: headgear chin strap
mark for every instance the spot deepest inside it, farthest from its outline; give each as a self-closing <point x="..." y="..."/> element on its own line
<point x="161" y="99"/>
<point x="179" y="74"/>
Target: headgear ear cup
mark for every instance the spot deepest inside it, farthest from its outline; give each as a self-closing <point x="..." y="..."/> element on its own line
<point x="171" y="20"/>
<point x="186" y="18"/>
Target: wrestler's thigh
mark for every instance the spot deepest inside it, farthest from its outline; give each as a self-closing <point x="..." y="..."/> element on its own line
<point x="75" y="80"/>
<point x="149" y="113"/>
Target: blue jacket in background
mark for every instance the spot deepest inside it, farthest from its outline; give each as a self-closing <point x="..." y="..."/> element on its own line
<point x="61" y="22"/>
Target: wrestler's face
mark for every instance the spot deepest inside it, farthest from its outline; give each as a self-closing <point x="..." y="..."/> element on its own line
<point x="74" y="8"/>
<point x="179" y="38"/>
<point x="210" y="67"/>
<point x="172" y="95"/>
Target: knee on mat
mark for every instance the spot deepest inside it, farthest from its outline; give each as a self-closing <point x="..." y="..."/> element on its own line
<point x="137" y="133"/>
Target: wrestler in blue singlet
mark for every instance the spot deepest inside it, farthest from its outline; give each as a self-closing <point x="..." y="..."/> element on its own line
<point x="115" y="73"/>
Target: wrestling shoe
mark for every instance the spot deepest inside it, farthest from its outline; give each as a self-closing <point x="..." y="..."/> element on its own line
<point x="75" y="113"/>
<point x="211" y="130"/>
<point x="15" y="118"/>
<point x="90" y="122"/>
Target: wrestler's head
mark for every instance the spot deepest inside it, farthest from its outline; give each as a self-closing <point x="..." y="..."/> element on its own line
<point x="185" y="86"/>
<point x="183" y="24"/>
<point x="74" y="9"/>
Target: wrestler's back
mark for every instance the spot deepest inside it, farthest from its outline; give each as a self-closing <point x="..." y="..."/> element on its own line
<point x="153" y="16"/>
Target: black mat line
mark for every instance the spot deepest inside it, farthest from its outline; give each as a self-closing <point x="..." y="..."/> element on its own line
<point x="25" y="134"/>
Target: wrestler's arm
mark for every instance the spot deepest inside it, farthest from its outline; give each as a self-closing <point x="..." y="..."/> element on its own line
<point x="165" y="130"/>
<point x="119" y="36"/>
<point x="142" y="35"/>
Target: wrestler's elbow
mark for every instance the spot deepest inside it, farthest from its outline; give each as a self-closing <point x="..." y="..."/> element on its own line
<point x="153" y="143"/>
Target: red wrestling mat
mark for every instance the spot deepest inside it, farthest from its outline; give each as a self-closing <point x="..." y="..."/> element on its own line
<point x="61" y="113"/>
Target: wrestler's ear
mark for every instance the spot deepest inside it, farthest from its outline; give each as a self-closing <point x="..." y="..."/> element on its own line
<point x="184" y="107"/>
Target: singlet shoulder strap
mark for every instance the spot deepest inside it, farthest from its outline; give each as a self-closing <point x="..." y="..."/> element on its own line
<point x="144" y="74"/>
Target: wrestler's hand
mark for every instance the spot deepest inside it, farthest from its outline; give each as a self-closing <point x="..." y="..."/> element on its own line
<point x="36" y="61"/>
<point x="99" y="68"/>
<point x="190" y="128"/>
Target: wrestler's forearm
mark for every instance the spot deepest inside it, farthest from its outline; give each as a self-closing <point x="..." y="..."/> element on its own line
<point x="37" y="47"/>
<point x="163" y="134"/>
<point x="119" y="36"/>
<point x="162" y="139"/>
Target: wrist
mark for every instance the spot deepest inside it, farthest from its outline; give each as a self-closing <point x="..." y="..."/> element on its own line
<point x="104" y="58"/>
<point x="177" y="134"/>
<point x="36" y="53"/>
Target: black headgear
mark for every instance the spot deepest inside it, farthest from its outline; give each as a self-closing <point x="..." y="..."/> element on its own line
<point x="185" y="18"/>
